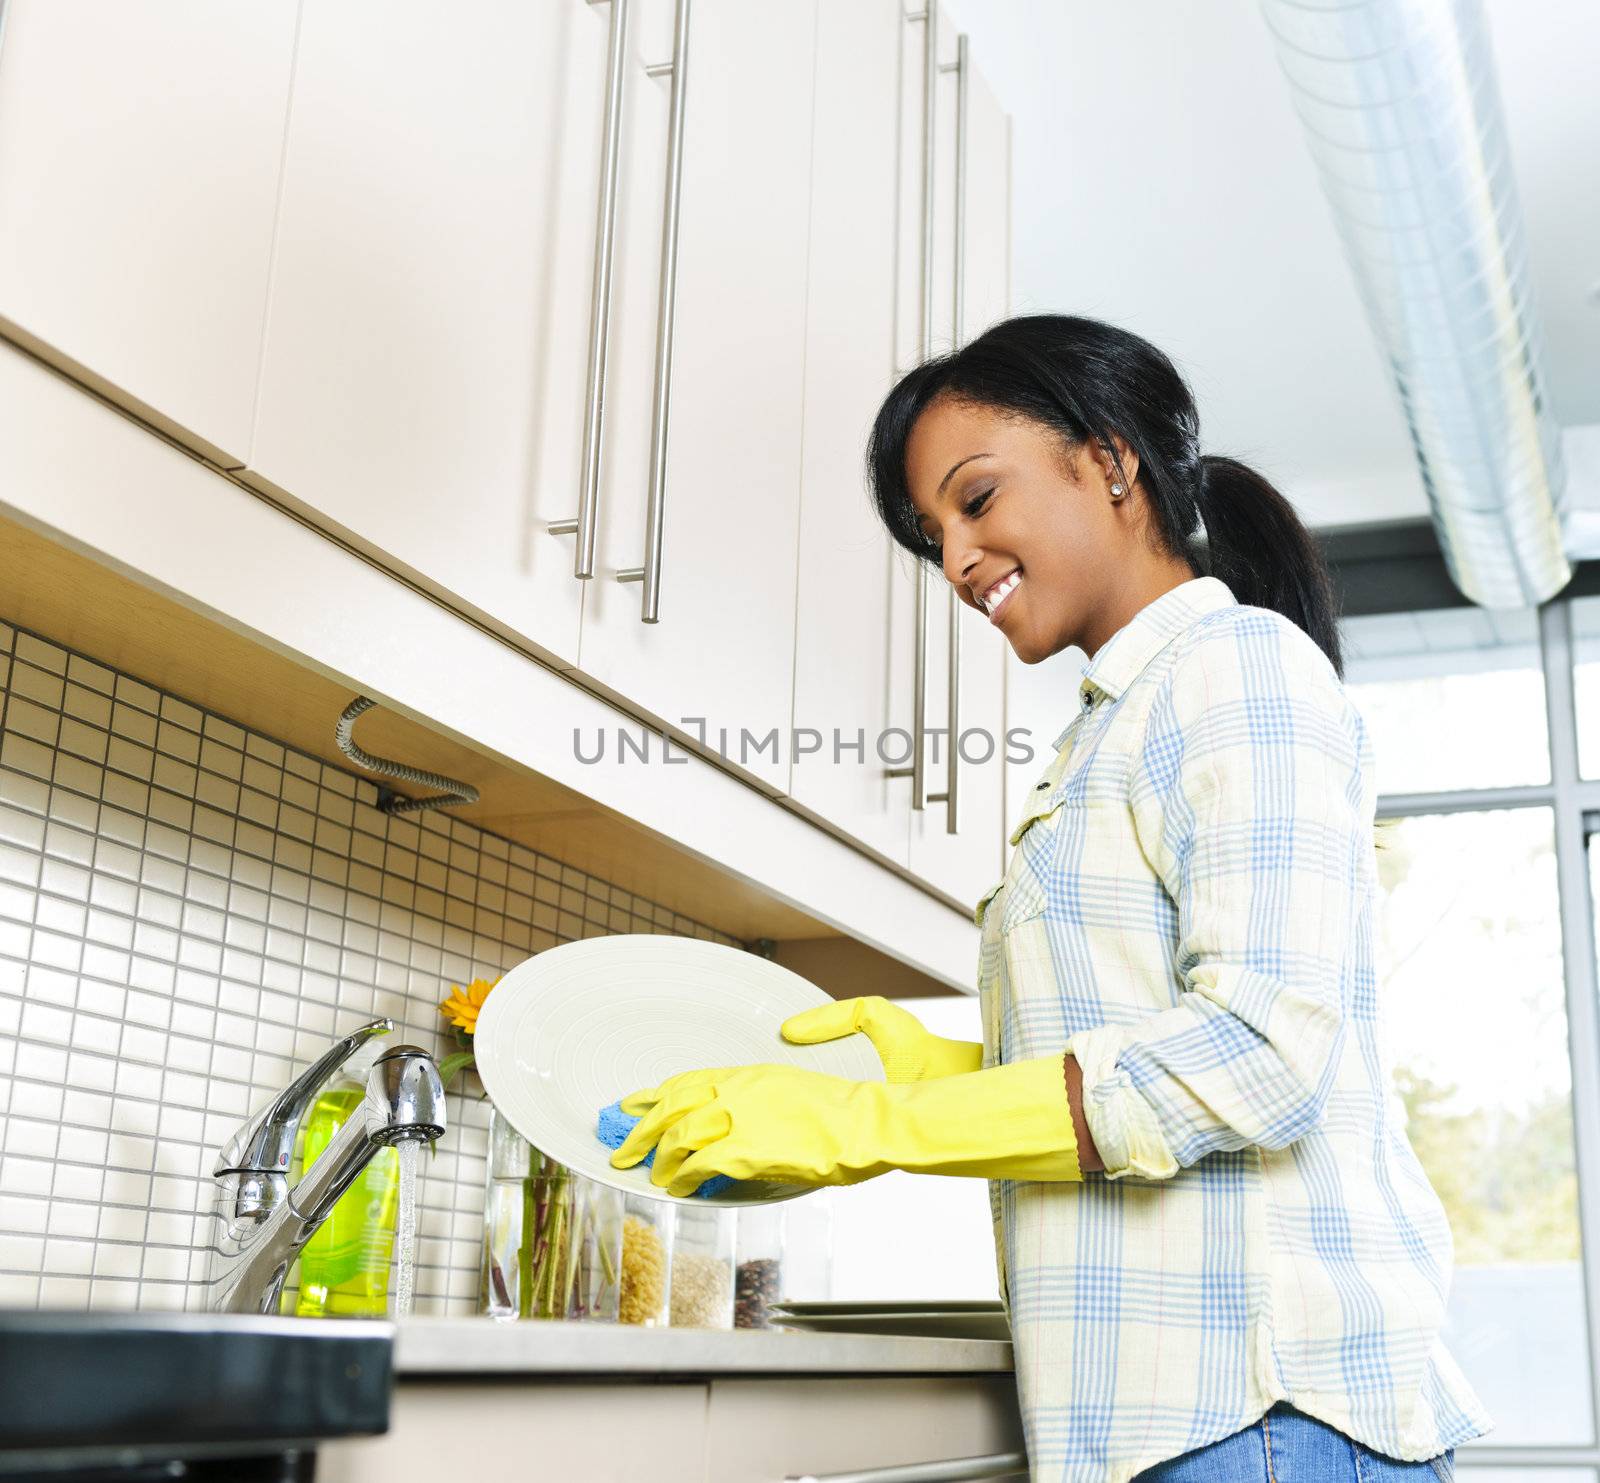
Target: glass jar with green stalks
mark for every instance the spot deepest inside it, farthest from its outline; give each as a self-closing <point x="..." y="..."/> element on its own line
<point x="552" y="1239"/>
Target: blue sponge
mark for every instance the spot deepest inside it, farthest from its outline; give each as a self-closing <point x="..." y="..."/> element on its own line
<point x="615" y="1125"/>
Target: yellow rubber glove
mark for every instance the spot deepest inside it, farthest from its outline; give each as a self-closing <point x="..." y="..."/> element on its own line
<point x="908" y="1049"/>
<point x="803" y="1127"/>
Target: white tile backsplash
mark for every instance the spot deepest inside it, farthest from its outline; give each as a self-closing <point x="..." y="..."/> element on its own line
<point x="190" y="911"/>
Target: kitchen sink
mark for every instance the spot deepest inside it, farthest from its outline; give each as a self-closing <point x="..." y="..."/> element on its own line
<point x="184" y="1395"/>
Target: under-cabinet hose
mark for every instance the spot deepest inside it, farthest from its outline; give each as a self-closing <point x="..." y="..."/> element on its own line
<point x="392" y="803"/>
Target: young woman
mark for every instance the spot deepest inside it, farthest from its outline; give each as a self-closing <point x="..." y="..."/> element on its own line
<point x="1220" y="1256"/>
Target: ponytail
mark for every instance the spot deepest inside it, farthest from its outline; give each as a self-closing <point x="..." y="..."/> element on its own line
<point x="1257" y="545"/>
<point x="1086" y="380"/>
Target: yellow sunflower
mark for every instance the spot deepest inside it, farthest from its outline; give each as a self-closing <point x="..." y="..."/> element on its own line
<point x="462" y="1007"/>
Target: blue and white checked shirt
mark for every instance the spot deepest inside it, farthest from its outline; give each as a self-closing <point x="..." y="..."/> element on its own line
<point x="1189" y="909"/>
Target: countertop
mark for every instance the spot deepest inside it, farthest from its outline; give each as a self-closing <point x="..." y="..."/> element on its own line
<point x="483" y="1346"/>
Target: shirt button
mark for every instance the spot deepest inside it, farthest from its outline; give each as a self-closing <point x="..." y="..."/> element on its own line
<point x="1088" y="700"/>
<point x="1040" y="787"/>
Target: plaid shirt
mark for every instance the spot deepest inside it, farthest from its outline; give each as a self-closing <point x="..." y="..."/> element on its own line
<point x="1189" y="910"/>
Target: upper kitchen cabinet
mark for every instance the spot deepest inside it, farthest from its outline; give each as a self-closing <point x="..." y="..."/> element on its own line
<point x="879" y="301"/>
<point x="139" y="159"/>
<point x="432" y="390"/>
<point x="701" y="493"/>
<point x="423" y="388"/>
<point x="845" y="662"/>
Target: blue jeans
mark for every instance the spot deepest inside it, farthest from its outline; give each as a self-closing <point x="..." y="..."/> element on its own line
<point x="1287" y="1446"/>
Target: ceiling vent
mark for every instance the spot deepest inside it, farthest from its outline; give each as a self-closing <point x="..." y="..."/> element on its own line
<point x="1401" y="108"/>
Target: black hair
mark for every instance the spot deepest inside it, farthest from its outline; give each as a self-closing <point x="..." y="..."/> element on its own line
<point x="1087" y="380"/>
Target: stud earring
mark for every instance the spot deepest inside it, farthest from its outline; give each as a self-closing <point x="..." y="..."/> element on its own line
<point x="1116" y="491"/>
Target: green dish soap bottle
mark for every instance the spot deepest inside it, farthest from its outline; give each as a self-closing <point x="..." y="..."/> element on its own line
<point x="344" y="1268"/>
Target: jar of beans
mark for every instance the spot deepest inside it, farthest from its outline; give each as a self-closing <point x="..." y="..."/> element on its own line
<point x="647" y="1240"/>
<point x="702" y="1266"/>
<point x="758" y="1264"/>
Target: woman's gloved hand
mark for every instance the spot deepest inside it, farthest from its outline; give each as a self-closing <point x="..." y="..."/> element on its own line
<point x="793" y="1126"/>
<point x="908" y="1050"/>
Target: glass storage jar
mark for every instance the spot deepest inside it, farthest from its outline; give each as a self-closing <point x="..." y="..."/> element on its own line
<point x="544" y="1228"/>
<point x="647" y="1238"/>
<point x="702" y="1266"/>
<point x="597" y="1294"/>
<point x="758" y="1264"/>
<point x="808" y="1248"/>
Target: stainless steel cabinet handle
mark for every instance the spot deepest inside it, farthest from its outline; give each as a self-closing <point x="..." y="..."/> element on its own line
<point x="605" y="234"/>
<point x="959" y="296"/>
<point x="650" y="572"/>
<point x="930" y="118"/>
<point x="930" y="123"/>
<point x="951" y="797"/>
<point x="952" y="1470"/>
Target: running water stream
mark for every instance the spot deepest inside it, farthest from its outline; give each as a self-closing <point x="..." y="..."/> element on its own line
<point x="405" y="1240"/>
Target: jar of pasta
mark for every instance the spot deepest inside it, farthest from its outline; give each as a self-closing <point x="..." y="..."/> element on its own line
<point x="647" y="1241"/>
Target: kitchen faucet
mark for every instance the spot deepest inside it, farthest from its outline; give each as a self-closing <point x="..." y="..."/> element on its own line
<point x="261" y="1224"/>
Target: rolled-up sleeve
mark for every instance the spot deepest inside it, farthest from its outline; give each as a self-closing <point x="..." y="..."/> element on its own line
<point x="1251" y="800"/>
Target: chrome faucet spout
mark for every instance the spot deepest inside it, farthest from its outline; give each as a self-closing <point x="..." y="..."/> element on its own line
<point x="261" y="1224"/>
<point x="411" y="1096"/>
<point x="404" y="1103"/>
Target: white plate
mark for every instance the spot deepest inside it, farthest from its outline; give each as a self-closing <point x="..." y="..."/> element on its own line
<point x="579" y="1025"/>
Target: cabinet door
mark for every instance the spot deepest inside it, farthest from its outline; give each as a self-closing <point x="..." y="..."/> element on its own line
<point x="493" y="1429"/>
<point x="139" y="158"/>
<point x="423" y="387"/>
<point x="798" y="1427"/>
<point x="844" y="660"/>
<point x="723" y="647"/>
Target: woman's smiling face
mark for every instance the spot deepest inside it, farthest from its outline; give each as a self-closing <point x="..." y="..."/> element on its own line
<point x="1001" y="494"/>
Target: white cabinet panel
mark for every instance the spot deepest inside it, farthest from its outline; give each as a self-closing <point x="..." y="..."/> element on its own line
<point x="987" y="293"/>
<point x="510" y="1431"/>
<point x="844" y="658"/>
<point x="423" y="386"/>
<point x="769" y="1429"/>
<point x="139" y="162"/>
<point x="723" y="647"/>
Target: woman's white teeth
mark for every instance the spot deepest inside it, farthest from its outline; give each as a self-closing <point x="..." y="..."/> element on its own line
<point x="992" y="598"/>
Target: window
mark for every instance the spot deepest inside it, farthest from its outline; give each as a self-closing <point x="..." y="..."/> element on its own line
<point x="1453" y="699"/>
<point x="1474" y="1010"/>
<point x="1477" y="988"/>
